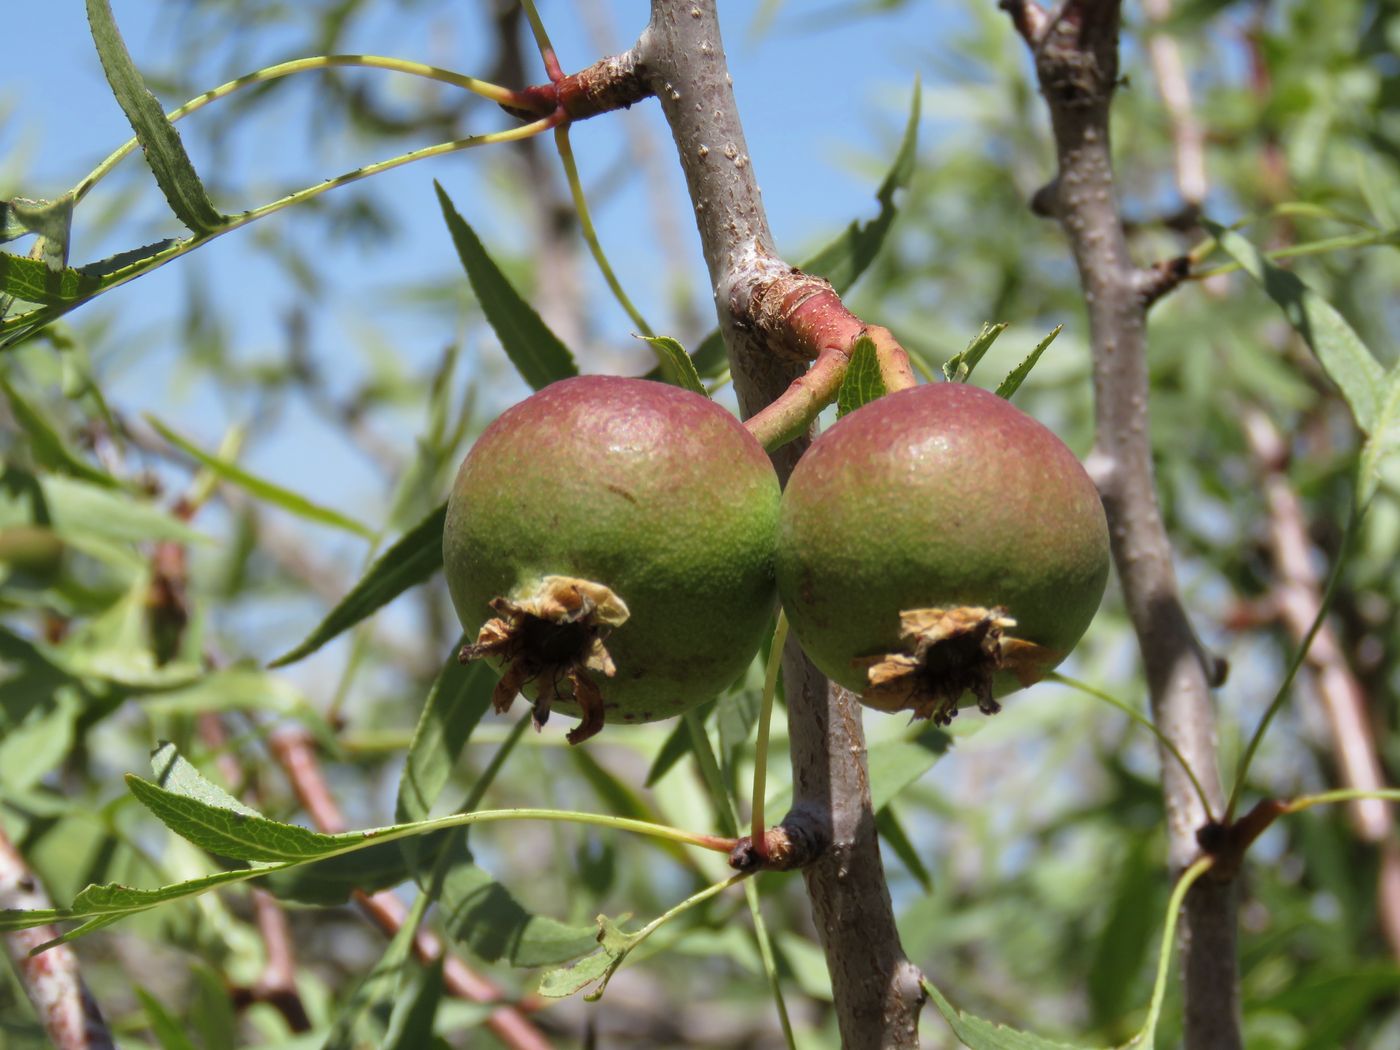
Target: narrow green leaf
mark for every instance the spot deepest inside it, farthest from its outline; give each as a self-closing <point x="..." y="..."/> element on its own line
<point x="106" y="904"/>
<point x="51" y="220"/>
<point x="410" y="561"/>
<point x="479" y="912"/>
<point x="599" y="966"/>
<point x="892" y="831"/>
<point x="676" y="745"/>
<point x="1340" y="351"/>
<point x="231" y="689"/>
<point x="378" y="867"/>
<point x="895" y="764"/>
<point x="704" y="753"/>
<point x="863" y="382"/>
<point x="159" y="140"/>
<point x="381" y="984"/>
<point x="676" y="366"/>
<point x="536" y="352"/>
<point x="177" y="776"/>
<point x="169" y="1032"/>
<point x="459" y="697"/>
<point x="959" y="367"/>
<point x="34" y="282"/>
<point x="1383" y="443"/>
<point x="848" y="256"/>
<point x="264" y="490"/>
<point x="234" y="833"/>
<point x="415" y="1008"/>
<point x="1013" y="381"/>
<point x="79" y="510"/>
<point x="977" y="1034"/>
<point x="47" y="445"/>
<point x="710" y="357"/>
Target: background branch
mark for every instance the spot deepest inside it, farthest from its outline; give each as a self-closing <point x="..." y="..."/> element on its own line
<point x="1076" y="58"/>
<point x="1297" y="599"/>
<point x="66" y="1008"/>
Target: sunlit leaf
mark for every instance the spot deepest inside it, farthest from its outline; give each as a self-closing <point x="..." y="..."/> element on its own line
<point x="266" y="491"/>
<point x="863" y="382"/>
<point x="413" y="559"/>
<point x="159" y="140"/>
<point x="1340" y="351"/>
<point x="676" y="366"/>
<point x="536" y="352"/>
<point x="1017" y="376"/>
<point x="959" y="367"/>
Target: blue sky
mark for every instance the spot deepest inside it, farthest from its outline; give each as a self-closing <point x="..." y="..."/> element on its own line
<point x="823" y="99"/>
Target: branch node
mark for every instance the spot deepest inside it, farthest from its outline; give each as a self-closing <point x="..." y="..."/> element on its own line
<point x="1161" y="277"/>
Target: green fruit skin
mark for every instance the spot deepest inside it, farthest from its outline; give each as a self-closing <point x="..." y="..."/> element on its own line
<point x="653" y="491"/>
<point x="937" y="496"/>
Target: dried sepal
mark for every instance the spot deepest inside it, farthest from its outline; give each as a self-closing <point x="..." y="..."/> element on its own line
<point x="944" y="654"/>
<point x="552" y="635"/>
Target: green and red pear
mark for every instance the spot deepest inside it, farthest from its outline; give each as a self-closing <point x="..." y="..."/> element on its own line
<point x="939" y="547"/>
<point x="609" y="547"/>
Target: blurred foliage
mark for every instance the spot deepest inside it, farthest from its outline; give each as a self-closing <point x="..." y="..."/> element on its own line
<point x="142" y="593"/>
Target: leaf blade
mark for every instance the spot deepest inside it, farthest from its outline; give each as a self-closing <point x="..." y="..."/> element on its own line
<point x="412" y="560"/>
<point x="536" y="352"/>
<point x="267" y="491"/>
<point x="862" y="382"/>
<point x="1340" y="351"/>
<point x="160" y="142"/>
<point x="1012" y="383"/>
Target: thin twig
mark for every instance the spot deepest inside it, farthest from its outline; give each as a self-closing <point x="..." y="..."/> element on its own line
<point x="1077" y="67"/>
<point x="1298" y="597"/>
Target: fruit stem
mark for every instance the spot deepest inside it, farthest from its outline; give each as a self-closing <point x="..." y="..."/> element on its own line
<point x="765" y="718"/>
<point x="788" y="416"/>
<point x="791" y="413"/>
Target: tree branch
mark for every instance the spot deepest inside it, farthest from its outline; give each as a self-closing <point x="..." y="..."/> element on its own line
<point x="1298" y="599"/>
<point x="1076" y="57"/>
<point x="66" y="1008"/>
<point x="877" y="990"/>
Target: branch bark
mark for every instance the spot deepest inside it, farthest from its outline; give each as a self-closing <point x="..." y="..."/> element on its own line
<point x="1076" y="58"/>
<point x="51" y="979"/>
<point x="877" y="990"/>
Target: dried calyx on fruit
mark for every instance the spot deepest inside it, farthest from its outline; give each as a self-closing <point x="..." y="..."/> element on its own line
<point x="609" y="548"/>
<point x="938" y="547"/>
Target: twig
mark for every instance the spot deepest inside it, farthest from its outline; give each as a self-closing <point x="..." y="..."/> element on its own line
<point x="51" y="979"/>
<point x="877" y="990"/>
<point x="295" y="754"/>
<point x="1297" y="598"/>
<point x="1188" y="139"/>
<point x="1077" y="66"/>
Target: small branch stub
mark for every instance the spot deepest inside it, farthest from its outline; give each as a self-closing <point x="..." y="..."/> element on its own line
<point x="551" y="636"/>
<point x="947" y="653"/>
